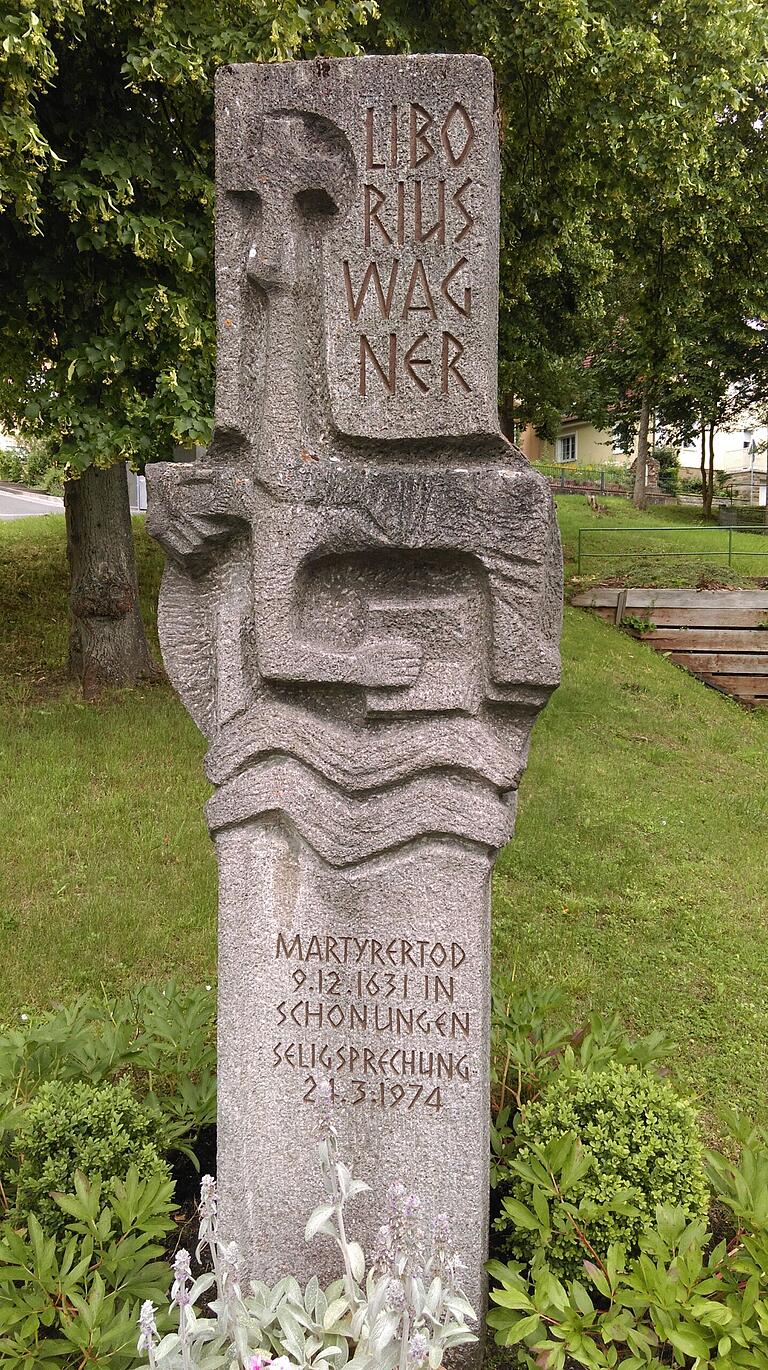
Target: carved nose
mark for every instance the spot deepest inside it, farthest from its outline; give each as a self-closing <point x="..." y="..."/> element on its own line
<point x="272" y="257"/>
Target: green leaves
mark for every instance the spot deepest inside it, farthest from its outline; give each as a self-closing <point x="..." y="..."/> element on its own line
<point x="680" y="1301"/>
<point x="71" y="1284"/>
<point x="73" y="1299"/>
<point x="632" y="181"/>
<point x="520" y="1215"/>
<point x="591" y="1159"/>
<point x="71" y="1127"/>
<point x="106" y="196"/>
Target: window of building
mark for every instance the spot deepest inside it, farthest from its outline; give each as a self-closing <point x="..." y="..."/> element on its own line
<point x="566" y="447"/>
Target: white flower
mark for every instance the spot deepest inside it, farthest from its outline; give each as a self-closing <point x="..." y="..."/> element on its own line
<point x="147" y="1327"/>
<point x="183" y="1277"/>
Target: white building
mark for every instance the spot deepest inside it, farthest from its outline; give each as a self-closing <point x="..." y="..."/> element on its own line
<point x="739" y="453"/>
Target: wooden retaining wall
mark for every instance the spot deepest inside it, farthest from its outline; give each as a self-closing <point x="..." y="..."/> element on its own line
<point x="721" y="636"/>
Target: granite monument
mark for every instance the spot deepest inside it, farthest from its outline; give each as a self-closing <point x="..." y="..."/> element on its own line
<point x="361" y="611"/>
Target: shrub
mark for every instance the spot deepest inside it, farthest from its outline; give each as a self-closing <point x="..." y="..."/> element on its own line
<point x="34" y="465"/>
<point x="530" y="1044"/>
<point x="73" y="1302"/>
<point x="669" y="469"/>
<point x="69" y="1127"/>
<point x="639" y="1147"/>
<point x="160" y="1039"/>
<point x="688" y="1299"/>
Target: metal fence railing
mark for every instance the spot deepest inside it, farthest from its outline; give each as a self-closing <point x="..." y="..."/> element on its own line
<point x="602" y="478"/>
<point x="728" y="543"/>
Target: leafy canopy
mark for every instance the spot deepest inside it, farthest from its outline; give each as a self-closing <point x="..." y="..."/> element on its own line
<point x="106" y="193"/>
<point x="631" y="151"/>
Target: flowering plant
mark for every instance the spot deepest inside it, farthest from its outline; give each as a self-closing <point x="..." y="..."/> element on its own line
<point x="403" y="1314"/>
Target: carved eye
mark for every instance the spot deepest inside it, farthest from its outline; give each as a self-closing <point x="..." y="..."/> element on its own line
<point x="315" y="203"/>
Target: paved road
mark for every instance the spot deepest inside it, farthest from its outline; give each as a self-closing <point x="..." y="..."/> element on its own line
<point x="17" y="503"/>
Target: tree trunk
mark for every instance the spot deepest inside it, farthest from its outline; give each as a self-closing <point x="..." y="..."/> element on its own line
<point x="704" y="476"/>
<point x="641" y="461"/>
<point x="509" y="417"/>
<point x="107" y="644"/>
<point x="710" y="473"/>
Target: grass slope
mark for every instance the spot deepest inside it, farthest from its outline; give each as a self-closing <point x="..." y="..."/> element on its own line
<point x="107" y="873"/>
<point x="672" y="546"/>
<point x="638" y="877"/>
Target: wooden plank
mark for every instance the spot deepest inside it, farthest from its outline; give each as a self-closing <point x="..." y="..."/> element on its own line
<point x="706" y="618"/>
<point x="753" y="686"/>
<point x="694" y="599"/>
<point x="726" y="663"/>
<point x="598" y="598"/>
<point x="710" y="619"/>
<point x="716" y="639"/>
<point x="639" y="598"/>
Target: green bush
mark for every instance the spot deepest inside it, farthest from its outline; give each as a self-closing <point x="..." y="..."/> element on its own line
<point x="669" y="469"/>
<point x="161" y="1039"/>
<point x="639" y="1147"/>
<point x="690" y="1298"/>
<point x="74" y="1126"/>
<point x="95" y="1086"/>
<point x="32" y="465"/>
<point x="531" y="1042"/>
<point x="72" y="1302"/>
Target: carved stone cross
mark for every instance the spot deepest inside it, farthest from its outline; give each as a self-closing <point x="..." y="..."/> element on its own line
<point x="361" y="611"/>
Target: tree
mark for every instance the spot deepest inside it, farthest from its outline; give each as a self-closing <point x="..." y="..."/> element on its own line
<point x="694" y="262"/>
<point x="720" y="382"/>
<point x="106" y="276"/>
<point x="627" y="130"/>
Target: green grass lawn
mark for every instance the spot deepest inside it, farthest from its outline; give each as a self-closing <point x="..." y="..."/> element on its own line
<point x="638" y="878"/>
<point x="681" y="549"/>
<point x="107" y="876"/>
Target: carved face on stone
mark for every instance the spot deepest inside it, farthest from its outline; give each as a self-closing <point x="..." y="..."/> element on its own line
<point x="302" y="169"/>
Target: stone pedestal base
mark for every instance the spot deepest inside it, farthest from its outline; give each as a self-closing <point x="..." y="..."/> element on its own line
<point x="374" y="978"/>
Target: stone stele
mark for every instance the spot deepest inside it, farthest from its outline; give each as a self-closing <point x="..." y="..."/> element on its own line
<point x="361" y="611"/>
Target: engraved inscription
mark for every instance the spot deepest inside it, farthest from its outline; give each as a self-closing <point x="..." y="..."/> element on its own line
<point x="417" y="224"/>
<point x="426" y="139"/>
<point x="404" y="1030"/>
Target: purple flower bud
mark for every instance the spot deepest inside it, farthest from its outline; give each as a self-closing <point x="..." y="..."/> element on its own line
<point x="395" y="1296"/>
<point x="411" y="1206"/>
<point x="208" y="1196"/>
<point x="182" y="1278"/>
<point x="395" y="1196"/>
<point x="418" y="1348"/>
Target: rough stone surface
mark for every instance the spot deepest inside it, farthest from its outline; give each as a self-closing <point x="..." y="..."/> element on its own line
<point x="361" y="611"/>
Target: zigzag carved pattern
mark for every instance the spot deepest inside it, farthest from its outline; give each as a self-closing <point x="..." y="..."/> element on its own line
<point x="379" y="756"/>
<point x="344" y="829"/>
